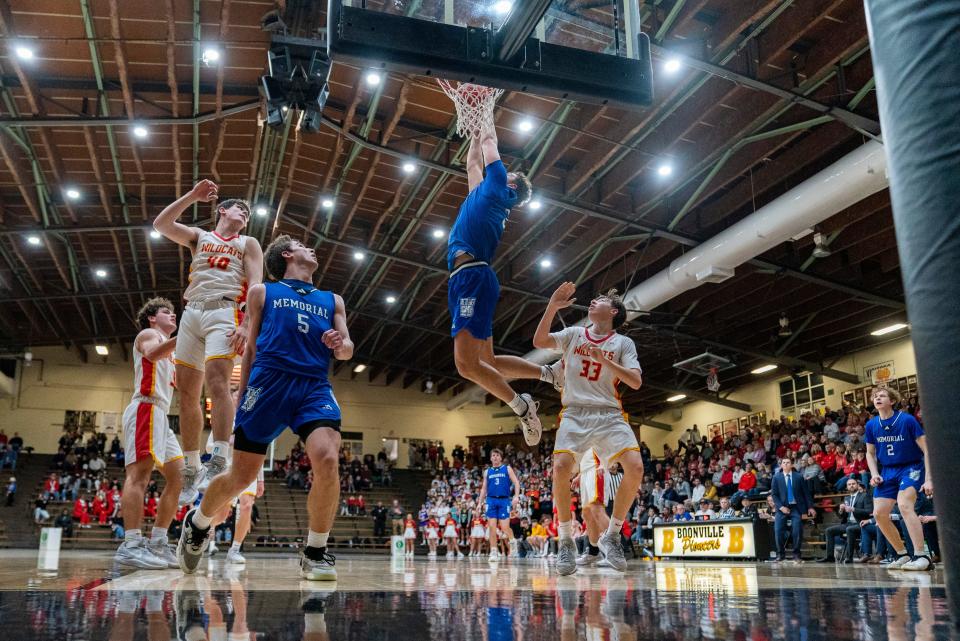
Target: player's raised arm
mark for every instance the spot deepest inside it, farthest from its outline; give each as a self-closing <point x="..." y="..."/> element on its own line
<point x="488" y="145"/>
<point x="338" y="338"/>
<point x="474" y="165"/>
<point x="255" y="298"/>
<point x="561" y="298"/>
<point x="153" y="345"/>
<point x="166" y="222"/>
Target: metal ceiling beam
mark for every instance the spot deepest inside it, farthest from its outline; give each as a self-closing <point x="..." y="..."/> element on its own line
<point x="519" y="26"/>
<point x="603" y="214"/>
<point x="94" y="121"/>
<point x="138" y="87"/>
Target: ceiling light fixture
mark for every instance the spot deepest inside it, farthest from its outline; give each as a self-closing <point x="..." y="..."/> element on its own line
<point x="546" y="263"/>
<point x="359" y="255"/>
<point x="820" y="249"/>
<point x="33" y="240"/>
<point x="409" y="167"/>
<point x="373" y="78"/>
<point x="889" y="329"/>
<point x="439" y="233"/>
<point x="391" y="299"/>
<point x="664" y="170"/>
<point x="502" y="7"/>
<point x="784" y="326"/>
<point x="535" y="205"/>
<point x="140" y="131"/>
<point x="763" y="369"/>
<point x="154" y="234"/>
<point x="101" y="273"/>
<point x="525" y="125"/>
<point x="672" y="65"/>
<point x="101" y="349"/>
<point x="261" y="211"/>
<point x="359" y="368"/>
<point x="23" y="52"/>
<point x="73" y="193"/>
<point x="211" y="56"/>
<point x="676" y="397"/>
<point x="327" y="203"/>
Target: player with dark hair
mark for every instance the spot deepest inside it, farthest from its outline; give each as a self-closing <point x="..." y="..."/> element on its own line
<point x="295" y="329"/>
<point x="496" y="489"/>
<point x="896" y="440"/>
<point x="148" y="440"/>
<point x="212" y="331"/>
<point x="473" y="290"/>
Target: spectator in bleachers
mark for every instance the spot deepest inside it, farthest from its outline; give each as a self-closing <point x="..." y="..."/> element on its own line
<point x="11" y="490"/>
<point x="40" y="513"/>
<point x="856" y="508"/>
<point x="705" y="512"/>
<point x="81" y="511"/>
<point x="379" y="514"/>
<point x="51" y="488"/>
<point x="65" y="523"/>
<point x="726" y="510"/>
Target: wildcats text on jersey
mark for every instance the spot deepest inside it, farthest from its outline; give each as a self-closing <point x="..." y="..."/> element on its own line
<point x="584" y="350"/>
<point x="221" y="249"/>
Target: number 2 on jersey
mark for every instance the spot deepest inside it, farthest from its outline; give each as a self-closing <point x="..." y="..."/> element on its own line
<point x="591" y="370"/>
<point x="890" y="449"/>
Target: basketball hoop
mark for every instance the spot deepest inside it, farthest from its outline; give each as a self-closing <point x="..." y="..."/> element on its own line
<point x="474" y="104"/>
<point x="713" y="381"/>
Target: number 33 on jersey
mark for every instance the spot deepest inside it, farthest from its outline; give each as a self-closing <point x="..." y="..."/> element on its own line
<point x="588" y="382"/>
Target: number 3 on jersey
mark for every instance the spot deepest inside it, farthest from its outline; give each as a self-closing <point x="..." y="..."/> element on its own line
<point x="591" y="370"/>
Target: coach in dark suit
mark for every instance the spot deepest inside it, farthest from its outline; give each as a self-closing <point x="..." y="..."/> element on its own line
<point x="793" y="500"/>
<point x="856" y="507"/>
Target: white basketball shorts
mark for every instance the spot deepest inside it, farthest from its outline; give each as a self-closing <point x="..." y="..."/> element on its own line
<point x="147" y="434"/>
<point x="205" y="334"/>
<point x="604" y="430"/>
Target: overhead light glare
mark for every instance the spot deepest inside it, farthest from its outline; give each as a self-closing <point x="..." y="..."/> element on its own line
<point x="546" y="263"/>
<point x="664" y="170"/>
<point x="261" y="211"/>
<point x="763" y="369"/>
<point x="535" y="205"/>
<point x="373" y="78"/>
<point x="72" y="193"/>
<point x="391" y="299"/>
<point x="33" y="240"/>
<point x="101" y="273"/>
<point x="502" y="7"/>
<point x="23" y="52"/>
<point x="672" y="65"/>
<point x="327" y="203"/>
<point x="439" y="233"/>
<point x="676" y="397"/>
<point x="889" y="329"/>
<point x="525" y="125"/>
<point x="154" y="234"/>
<point x="409" y="167"/>
<point x="101" y="349"/>
<point x="140" y="131"/>
<point x="359" y="368"/>
<point x="211" y="56"/>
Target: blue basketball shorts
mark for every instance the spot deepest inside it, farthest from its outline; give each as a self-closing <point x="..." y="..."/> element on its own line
<point x="472" y="295"/>
<point x="897" y="478"/>
<point x="276" y="400"/>
<point x="498" y="508"/>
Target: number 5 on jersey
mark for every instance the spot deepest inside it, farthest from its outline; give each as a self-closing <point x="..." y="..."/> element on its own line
<point x="591" y="370"/>
<point x="302" y="325"/>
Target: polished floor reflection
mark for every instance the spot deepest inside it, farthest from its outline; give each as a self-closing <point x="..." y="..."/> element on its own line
<point x="82" y="596"/>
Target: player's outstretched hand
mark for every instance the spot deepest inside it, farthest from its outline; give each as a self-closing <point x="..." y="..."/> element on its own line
<point x="596" y="354"/>
<point x="927" y="487"/>
<point x="563" y="296"/>
<point x="876" y="481"/>
<point x="332" y="339"/>
<point x="205" y="191"/>
<point x="238" y="339"/>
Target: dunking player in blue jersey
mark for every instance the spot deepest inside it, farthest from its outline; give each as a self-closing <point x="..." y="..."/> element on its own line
<point x="896" y="440"/>
<point x="473" y="289"/>
<point x="497" y="482"/>
<point x="294" y="330"/>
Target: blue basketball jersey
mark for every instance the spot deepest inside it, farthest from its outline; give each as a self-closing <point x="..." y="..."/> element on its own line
<point x="482" y="217"/>
<point x="498" y="482"/>
<point x="895" y="439"/>
<point x="295" y="316"/>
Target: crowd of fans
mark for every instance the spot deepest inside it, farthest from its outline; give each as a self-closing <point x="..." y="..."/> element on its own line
<point x="720" y="476"/>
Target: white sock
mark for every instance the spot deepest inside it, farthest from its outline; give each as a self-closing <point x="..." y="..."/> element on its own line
<point x="518" y="405"/>
<point x="235" y="547"/>
<point x="317" y="539"/>
<point x="201" y="520"/>
<point x="158" y="534"/>
<point x="131" y="536"/>
<point x="615" y="526"/>
<point x="546" y="374"/>
<point x="314" y="623"/>
<point x="220" y="448"/>
<point x="565" y="529"/>
<point x="193" y="459"/>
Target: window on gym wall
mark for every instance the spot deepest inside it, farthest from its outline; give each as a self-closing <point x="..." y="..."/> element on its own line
<point x="801" y="393"/>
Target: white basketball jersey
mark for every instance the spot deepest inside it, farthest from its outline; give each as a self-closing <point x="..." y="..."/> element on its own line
<point x="152" y="381"/>
<point x="216" y="271"/>
<point x="588" y="383"/>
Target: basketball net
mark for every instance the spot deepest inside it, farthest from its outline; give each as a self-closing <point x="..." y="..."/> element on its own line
<point x="474" y="104"/>
<point x="713" y="381"/>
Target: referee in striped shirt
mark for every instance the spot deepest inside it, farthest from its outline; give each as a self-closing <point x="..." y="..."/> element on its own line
<point x="614" y="478"/>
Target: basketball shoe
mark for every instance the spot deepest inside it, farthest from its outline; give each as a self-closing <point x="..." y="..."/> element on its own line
<point x="137" y="554"/>
<point x="316" y="564"/>
<point x="530" y="422"/>
<point x="609" y="544"/>
<point x="193" y="542"/>
<point x="566" y="557"/>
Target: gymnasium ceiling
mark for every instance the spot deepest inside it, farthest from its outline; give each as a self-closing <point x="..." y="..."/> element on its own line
<point x="136" y="60"/>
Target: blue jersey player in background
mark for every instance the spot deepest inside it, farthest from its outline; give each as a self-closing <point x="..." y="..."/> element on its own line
<point x="499" y="483"/>
<point x="295" y="329"/>
<point x="473" y="289"/>
<point x="895" y="439"/>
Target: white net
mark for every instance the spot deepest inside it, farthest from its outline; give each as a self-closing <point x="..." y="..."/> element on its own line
<point x="474" y="104"/>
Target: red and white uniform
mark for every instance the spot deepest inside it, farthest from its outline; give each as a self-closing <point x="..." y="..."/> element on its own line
<point x="478" y="530"/>
<point x="592" y="415"/>
<point x="450" y="529"/>
<point x="217" y="289"/>
<point x="410" y="529"/>
<point x="593" y="479"/>
<point x="433" y="530"/>
<point x="146" y="432"/>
